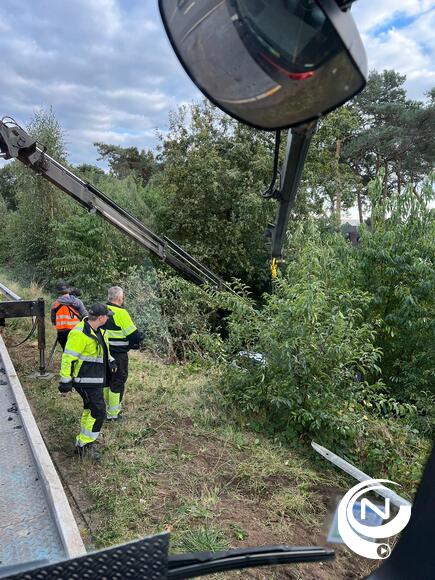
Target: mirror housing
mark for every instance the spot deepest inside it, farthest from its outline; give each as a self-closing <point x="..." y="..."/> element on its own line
<point x="269" y="64"/>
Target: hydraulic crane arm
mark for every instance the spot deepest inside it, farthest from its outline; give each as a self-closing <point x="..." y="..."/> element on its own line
<point x="16" y="143"/>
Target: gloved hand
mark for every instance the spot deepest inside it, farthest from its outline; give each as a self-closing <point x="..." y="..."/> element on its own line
<point x="65" y="387"/>
<point x="113" y="366"/>
<point x="136" y="345"/>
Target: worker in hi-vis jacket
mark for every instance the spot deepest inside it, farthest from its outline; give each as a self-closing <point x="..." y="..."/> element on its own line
<point x="88" y="366"/>
<point x="66" y="312"/>
<point x="123" y="336"/>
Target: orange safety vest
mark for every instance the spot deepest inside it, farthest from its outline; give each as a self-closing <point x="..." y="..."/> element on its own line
<point x="67" y="317"/>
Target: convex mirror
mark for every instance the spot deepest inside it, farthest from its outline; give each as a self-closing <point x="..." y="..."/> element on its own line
<point x="269" y="63"/>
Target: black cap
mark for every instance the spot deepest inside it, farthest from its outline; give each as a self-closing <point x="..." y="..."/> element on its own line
<point x="99" y="309"/>
<point x="62" y="287"/>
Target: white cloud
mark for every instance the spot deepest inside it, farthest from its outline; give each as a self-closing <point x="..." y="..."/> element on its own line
<point x="104" y="66"/>
<point x="370" y="14"/>
<point x="393" y="50"/>
<point x="109" y="72"/>
<point x="406" y="44"/>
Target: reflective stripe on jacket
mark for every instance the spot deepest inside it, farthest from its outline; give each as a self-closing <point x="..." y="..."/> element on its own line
<point x="66" y="316"/>
<point x="83" y="359"/>
<point x="120" y="329"/>
<point x="78" y="310"/>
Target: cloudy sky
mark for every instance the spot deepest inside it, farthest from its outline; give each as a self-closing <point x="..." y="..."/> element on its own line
<point x="108" y="72"/>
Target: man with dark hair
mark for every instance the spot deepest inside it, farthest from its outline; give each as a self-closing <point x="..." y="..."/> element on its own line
<point x="66" y="312"/>
<point x="87" y="366"/>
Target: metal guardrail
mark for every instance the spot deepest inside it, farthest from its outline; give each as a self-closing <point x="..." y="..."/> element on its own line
<point x="359" y="475"/>
<point x="8" y="293"/>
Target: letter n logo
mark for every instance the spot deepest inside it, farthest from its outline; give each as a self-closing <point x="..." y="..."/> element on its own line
<point x="366" y="503"/>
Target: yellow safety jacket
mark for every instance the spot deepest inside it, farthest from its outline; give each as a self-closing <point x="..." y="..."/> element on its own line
<point x="84" y="360"/>
<point x="121" y="331"/>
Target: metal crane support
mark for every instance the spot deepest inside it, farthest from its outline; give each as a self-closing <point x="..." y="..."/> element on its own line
<point x="16" y="307"/>
<point x="298" y="142"/>
<point x="15" y="143"/>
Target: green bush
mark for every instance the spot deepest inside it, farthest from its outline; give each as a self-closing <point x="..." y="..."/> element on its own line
<point x="190" y="314"/>
<point x="177" y="317"/>
<point x="317" y="348"/>
<point x="397" y="267"/>
<point x="4" y="239"/>
<point x="142" y="299"/>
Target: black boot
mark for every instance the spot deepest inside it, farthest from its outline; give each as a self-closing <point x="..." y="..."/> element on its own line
<point x="88" y="451"/>
<point x="118" y="419"/>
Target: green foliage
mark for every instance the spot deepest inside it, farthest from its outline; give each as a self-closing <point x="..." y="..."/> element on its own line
<point x="394" y="135"/>
<point x="130" y="193"/>
<point x="329" y="183"/>
<point x="397" y="260"/>
<point x="213" y="171"/>
<point x="392" y="448"/>
<point x="189" y="312"/>
<point x="125" y="161"/>
<point x="84" y="256"/>
<point x="142" y="299"/>
<point x="92" y="253"/>
<point x="238" y="532"/>
<point x="178" y="318"/>
<point x="347" y="339"/>
<point x="4" y="240"/>
<point x="8" y="187"/>
<point x="61" y="240"/>
<point x="203" y="539"/>
<point x="348" y="333"/>
<point x="315" y="343"/>
<point x="39" y="207"/>
<point x="90" y="172"/>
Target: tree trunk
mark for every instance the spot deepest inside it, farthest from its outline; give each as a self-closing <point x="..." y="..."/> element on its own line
<point x="399" y="178"/>
<point x="385" y="183"/>
<point x="338" y="196"/>
<point x="359" y="202"/>
<point x="377" y="165"/>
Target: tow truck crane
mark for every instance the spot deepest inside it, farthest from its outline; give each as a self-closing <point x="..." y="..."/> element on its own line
<point x="16" y="143"/>
<point x="273" y="65"/>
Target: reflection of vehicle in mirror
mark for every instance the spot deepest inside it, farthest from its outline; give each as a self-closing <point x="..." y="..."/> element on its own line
<point x="295" y="52"/>
<point x="270" y="64"/>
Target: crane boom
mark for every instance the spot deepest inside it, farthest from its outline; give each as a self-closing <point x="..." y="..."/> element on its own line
<point x="16" y="143"/>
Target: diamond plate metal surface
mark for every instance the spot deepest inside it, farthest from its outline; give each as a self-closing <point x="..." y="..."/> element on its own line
<point x="27" y="531"/>
<point x="146" y="559"/>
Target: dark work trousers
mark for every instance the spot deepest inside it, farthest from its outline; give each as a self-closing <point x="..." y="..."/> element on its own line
<point x="62" y="337"/>
<point x="93" y="402"/>
<point x="118" y="379"/>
